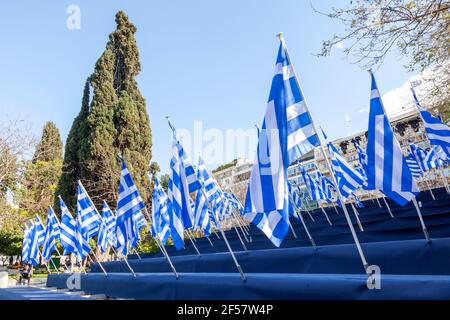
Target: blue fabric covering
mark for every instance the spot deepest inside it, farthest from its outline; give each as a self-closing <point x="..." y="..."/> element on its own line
<point x="410" y="268"/>
<point x="397" y="257"/>
<point x="191" y="286"/>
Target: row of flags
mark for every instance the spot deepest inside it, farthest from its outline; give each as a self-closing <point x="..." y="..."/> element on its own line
<point x="171" y="216"/>
<point x="288" y="132"/>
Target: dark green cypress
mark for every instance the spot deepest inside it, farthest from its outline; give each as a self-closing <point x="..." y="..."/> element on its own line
<point x="71" y="165"/>
<point x="118" y="122"/>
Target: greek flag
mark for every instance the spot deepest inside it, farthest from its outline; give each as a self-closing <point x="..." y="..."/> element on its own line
<point x="362" y="155"/>
<point x="87" y="213"/>
<point x="26" y="243"/>
<point x="314" y="189"/>
<point x="128" y="212"/>
<point x="210" y="185"/>
<point x="33" y="253"/>
<point x="68" y="229"/>
<point x="201" y="218"/>
<point x="107" y="234"/>
<point x="387" y="169"/>
<point x="287" y="134"/>
<point x="160" y="213"/>
<point x="438" y="133"/>
<point x="359" y="168"/>
<point x="295" y="197"/>
<point x="348" y="179"/>
<point x="413" y="166"/>
<point x="40" y="231"/>
<point x="327" y="186"/>
<point x="81" y="240"/>
<point x="426" y="160"/>
<point x="50" y="235"/>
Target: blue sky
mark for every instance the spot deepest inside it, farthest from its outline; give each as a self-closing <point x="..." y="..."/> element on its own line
<point x="201" y="60"/>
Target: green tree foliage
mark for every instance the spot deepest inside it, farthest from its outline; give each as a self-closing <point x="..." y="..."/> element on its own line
<point x="117" y="123"/>
<point x="418" y="29"/>
<point x="10" y="242"/>
<point x="71" y="172"/>
<point x="42" y="173"/>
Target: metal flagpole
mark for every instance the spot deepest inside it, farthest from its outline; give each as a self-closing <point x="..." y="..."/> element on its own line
<point x="160" y="244"/>
<point x="292" y="229"/>
<point x="299" y="215"/>
<point x="347" y="217"/>
<point x="192" y="241"/>
<point x="323" y="210"/>
<point x="378" y="201"/>
<point x="387" y="205"/>
<point x="242" y="229"/>
<point x="207" y="238"/>
<point x="357" y="217"/>
<point x="238" y="266"/>
<point x="429" y="188"/>
<point x="424" y="228"/>
<point x="335" y="207"/>
<point x="46" y="265"/>
<point x="137" y="253"/>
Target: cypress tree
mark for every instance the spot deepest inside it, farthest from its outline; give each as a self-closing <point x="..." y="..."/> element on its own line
<point x="42" y="173"/>
<point x="49" y="148"/>
<point x="71" y="165"/>
<point x="118" y="122"/>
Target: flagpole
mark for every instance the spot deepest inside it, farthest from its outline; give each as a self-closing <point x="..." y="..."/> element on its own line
<point x="347" y="216"/>
<point x="424" y="228"/>
<point x="160" y="244"/>
<point x="220" y="229"/>
<point x="387" y="205"/>
<point x="299" y="215"/>
<point x="357" y="216"/>
<point x="429" y="142"/>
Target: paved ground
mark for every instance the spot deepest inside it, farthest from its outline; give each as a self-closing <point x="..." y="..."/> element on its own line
<point x="38" y="293"/>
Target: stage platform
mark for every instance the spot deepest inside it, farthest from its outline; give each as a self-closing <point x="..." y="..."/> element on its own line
<point x="410" y="267"/>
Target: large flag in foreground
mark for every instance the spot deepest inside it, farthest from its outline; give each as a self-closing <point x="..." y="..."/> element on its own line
<point x="387" y="169"/>
<point x="438" y="133"/>
<point x="129" y="207"/>
<point x="287" y="134"/>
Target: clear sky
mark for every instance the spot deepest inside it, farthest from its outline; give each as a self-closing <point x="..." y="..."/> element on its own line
<point x="211" y="61"/>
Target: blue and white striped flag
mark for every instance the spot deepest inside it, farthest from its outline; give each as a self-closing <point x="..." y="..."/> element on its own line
<point x="426" y="160"/>
<point x="314" y="188"/>
<point x="81" y="239"/>
<point x="68" y="229"/>
<point x="387" y="169"/>
<point x="26" y="243"/>
<point x="348" y="179"/>
<point x="327" y="186"/>
<point x="210" y="185"/>
<point x="413" y="166"/>
<point x="50" y="235"/>
<point x="40" y="231"/>
<point x="438" y="133"/>
<point x="287" y="133"/>
<point x="107" y="234"/>
<point x="293" y="196"/>
<point x="87" y="213"/>
<point x="33" y="251"/>
<point x="160" y="213"/>
<point x="128" y="213"/>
